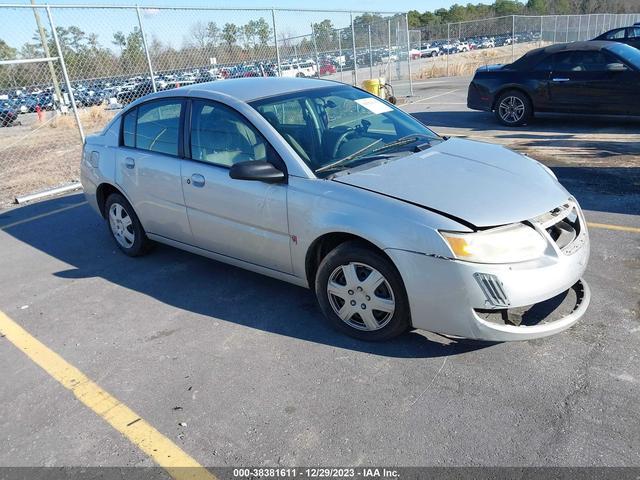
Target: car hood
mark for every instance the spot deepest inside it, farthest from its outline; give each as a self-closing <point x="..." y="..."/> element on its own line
<point x="480" y="183"/>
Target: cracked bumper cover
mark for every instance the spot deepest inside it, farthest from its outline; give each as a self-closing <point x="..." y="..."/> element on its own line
<point x="446" y="298"/>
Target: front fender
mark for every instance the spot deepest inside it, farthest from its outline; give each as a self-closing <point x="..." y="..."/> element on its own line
<point x="319" y="207"/>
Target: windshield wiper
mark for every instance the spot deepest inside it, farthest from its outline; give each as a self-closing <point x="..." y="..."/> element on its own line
<point x="398" y="143"/>
<point x="348" y="158"/>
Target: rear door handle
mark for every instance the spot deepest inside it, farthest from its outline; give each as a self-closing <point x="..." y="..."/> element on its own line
<point x="129" y="162"/>
<point x="561" y="79"/>
<point x="197" y="180"/>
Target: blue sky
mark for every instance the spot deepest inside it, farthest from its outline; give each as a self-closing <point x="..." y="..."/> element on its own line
<point x="172" y="26"/>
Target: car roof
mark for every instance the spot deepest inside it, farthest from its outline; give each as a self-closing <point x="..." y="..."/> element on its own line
<point x="533" y="56"/>
<point x="253" y="88"/>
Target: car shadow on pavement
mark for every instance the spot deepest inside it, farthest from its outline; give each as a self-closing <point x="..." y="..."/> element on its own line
<point x="78" y="237"/>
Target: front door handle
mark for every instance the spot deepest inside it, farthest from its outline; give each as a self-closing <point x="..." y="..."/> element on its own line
<point x="561" y="79"/>
<point x="197" y="180"/>
<point x="129" y="162"/>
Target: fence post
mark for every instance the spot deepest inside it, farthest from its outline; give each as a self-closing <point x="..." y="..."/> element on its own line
<point x="566" y="35"/>
<point x="406" y="21"/>
<point x="398" y="68"/>
<point x="513" y="38"/>
<point x="64" y="73"/>
<point x="340" y="61"/>
<point x="315" y="49"/>
<point x="146" y="50"/>
<point x="355" y="52"/>
<point x="541" y="20"/>
<point x="389" y="49"/>
<point x="275" y="39"/>
<point x="588" y="26"/>
<point x="579" y="28"/>
<point x="47" y="53"/>
<point x="555" y="29"/>
<point x="370" y="54"/>
<point x="448" y="45"/>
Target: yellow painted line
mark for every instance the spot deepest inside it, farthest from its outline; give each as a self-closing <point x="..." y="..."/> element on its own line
<point x="42" y="215"/>
<point x="163" y="451"/>
<point x="608" y="226"/>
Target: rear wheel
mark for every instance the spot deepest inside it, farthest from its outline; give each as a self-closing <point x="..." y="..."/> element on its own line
<point x="125" y="227"/>
<point x="362" y="294"/>
<point x="513" y="108"/>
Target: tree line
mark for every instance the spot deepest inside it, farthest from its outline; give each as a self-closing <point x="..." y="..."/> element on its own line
<point x="460" y="13"/>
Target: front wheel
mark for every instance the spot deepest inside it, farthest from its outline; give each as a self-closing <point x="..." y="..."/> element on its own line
<point x="125" y="227"/>
<point x="513" y="108"/>
<point x="362" y="294"/>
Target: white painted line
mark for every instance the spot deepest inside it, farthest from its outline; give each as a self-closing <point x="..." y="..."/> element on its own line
<point x="432" y="97"/>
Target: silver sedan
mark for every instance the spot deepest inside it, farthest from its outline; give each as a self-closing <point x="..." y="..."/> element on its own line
<point x="325" y="186"/>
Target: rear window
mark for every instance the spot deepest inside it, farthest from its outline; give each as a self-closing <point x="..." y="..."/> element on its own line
<point x="158" y="125"/>
<point x="153" y="126"/>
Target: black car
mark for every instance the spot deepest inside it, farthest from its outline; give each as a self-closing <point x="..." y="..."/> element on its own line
<point x="581" y="77"/>
<point x="628" y="35"/>
<point x="8" y="114"/>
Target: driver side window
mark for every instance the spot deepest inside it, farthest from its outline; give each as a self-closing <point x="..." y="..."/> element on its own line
<point x="223" y="137"/>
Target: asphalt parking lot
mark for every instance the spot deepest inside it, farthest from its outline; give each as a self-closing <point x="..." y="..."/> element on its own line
<point x="236" y="369"/>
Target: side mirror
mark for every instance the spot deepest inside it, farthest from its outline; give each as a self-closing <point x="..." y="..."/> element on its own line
<point x="616" y="67"/>
<point x="257" y="170"/>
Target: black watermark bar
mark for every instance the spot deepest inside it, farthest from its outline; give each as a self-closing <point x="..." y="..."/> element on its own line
<point x="310" y="473"/>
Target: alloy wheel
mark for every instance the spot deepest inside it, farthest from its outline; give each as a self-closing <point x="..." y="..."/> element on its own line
<point x="511" y="109"/>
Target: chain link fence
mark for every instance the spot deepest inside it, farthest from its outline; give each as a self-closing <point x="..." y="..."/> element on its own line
<point x="65" y="71"/>
<point x="460" y="48"/>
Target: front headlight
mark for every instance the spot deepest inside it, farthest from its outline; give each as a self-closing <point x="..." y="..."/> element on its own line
<point x="511" y="243"/>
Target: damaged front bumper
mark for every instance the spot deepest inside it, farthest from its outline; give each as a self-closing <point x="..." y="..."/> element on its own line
<point x="538" y="320"/>
<point x="498" y="302"/>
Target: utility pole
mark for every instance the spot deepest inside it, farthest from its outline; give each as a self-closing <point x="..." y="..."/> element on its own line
<point x="47" y="53"/>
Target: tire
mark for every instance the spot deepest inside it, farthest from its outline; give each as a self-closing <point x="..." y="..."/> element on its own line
<point x="357" y="299"/>
<point x="125" y="227"/>
<point x="513" y="108"/>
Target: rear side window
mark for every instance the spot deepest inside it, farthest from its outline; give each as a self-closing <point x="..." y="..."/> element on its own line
<point x="158" y="126"/>
<point x="129" y="128"/>
<point x="545" y="65"/>
<point x="615" y="34"/>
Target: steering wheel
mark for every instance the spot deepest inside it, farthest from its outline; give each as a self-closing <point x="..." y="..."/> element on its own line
<point x="359" y="130"/>
<point x="342" y="139"/>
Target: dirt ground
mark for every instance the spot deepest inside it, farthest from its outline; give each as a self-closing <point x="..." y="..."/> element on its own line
<point x="40" y="154"/>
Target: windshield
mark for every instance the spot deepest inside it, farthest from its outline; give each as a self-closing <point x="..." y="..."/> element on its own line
<point x="339" y="127"/>
<point x="630" y="54"/>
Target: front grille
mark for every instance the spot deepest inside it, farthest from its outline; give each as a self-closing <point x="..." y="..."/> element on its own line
<point x="493" y="290"/>
<point x="563" y="226"/>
